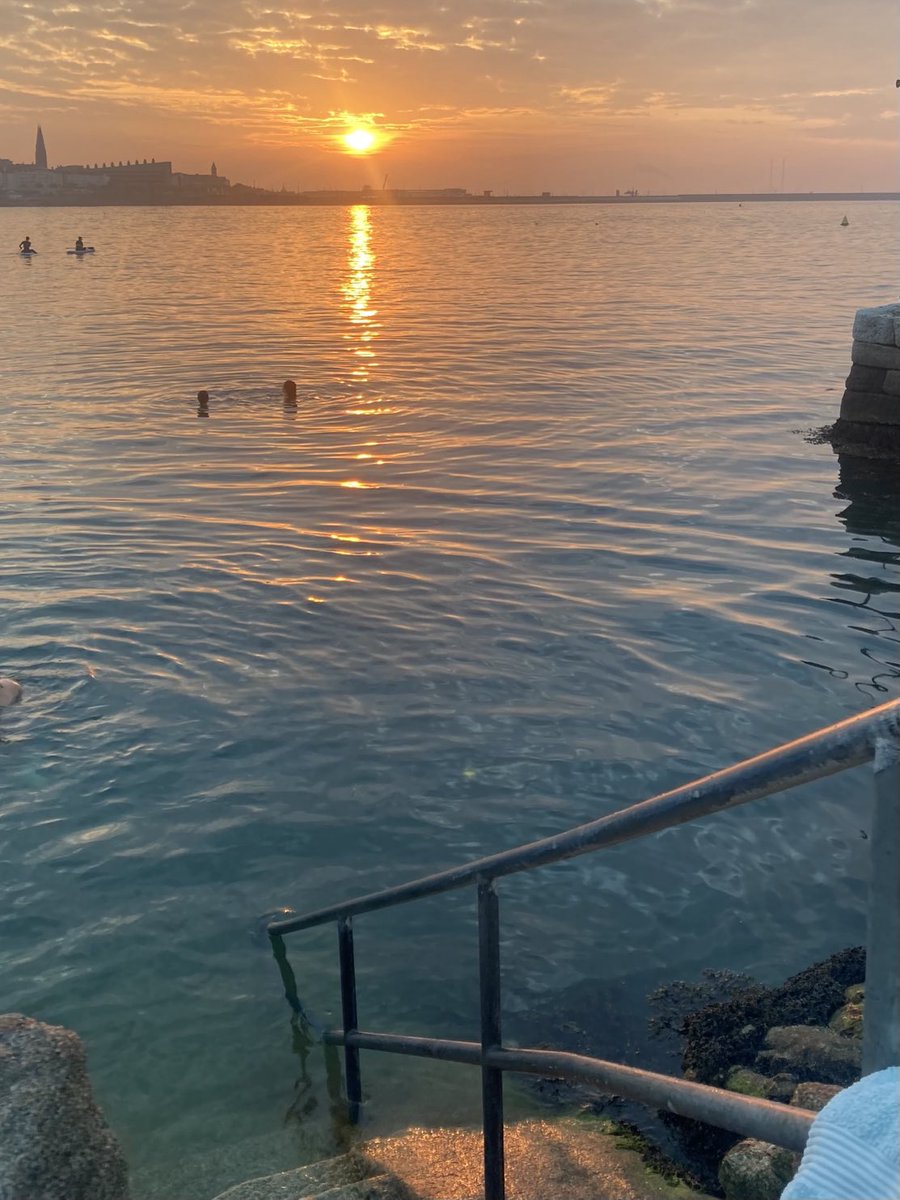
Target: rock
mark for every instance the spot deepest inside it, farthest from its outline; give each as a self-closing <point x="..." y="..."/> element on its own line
<point x="811" y="1052"/>
<point x="54" y="1141"/>
<point x="720" y="1035"/>
<point x="751" y="1083"/>
<point x="855" y="993"/>
<point x="848" y="1021"/>
<point x="747" y="1082"/>
<point x="782" y="1086"/>
<point x="10" y="692"/>
<point x="814" y="1096"/>
<point x="754" y="1170"/>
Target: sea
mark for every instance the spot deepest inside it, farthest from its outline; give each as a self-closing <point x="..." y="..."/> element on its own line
<point x="548" y="531"/>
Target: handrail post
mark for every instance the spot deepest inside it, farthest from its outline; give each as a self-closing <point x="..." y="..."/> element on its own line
<point x="881" y="1027"/>
<point x="350" y="1020"/>
<point x="491" y="1038"/>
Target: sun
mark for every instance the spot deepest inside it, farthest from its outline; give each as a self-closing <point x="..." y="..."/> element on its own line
<point x="359" y="141"/>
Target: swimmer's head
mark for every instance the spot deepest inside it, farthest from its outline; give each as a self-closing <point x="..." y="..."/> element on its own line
<point x="10" y="692"/>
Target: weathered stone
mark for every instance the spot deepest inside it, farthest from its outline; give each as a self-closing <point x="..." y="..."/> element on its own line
<point x="866" y="379"/>
<point x="848" y="1021"/>
<point x="891" y="383"/>
<point x="814" y="1096"/>
<point x="54" y="1141"/>
<point x="782" y="1086"/>
<point x="856" y="441"/>
<point x="747" y="1082"/>
<point x="870" y="408"/>
<point x="752" y="1083"/>
<point x="870" y="354"/>
<point x="302" y="1181"/>
<point x="875" y="325"/>
<point x="897" y="331"/>
<point x="855" y="993"/>
<point x="754" y="1170"/>
<point x="811" y="1052"/>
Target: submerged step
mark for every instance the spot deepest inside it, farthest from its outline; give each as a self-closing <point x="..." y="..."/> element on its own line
<point x="316" y="1179"/>
<point x="377" y="1187"/>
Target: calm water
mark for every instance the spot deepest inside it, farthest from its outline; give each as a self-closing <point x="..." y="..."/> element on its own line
<point x="543" y="537"/>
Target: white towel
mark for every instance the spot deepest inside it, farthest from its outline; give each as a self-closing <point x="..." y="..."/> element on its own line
<point x="853" y="1151"/>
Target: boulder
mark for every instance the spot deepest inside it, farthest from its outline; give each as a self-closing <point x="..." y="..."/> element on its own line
<point x="848" y="1021"/>
<point x="54" y="1141"/>
<point x="814" y="1096"/>
<point x="811" y="1052"/>
<point x="751" y="1083"/>
<point x="754" y="1170"/>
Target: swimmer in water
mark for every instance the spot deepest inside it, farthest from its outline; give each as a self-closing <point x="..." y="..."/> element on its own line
<point x="10" y="692"/>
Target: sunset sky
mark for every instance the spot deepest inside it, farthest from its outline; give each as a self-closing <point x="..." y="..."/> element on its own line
<point x="578" y="96"/>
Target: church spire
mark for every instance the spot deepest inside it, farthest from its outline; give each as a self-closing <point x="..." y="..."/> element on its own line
<point x="214" y="172"/>
<point x="40" y="150"/>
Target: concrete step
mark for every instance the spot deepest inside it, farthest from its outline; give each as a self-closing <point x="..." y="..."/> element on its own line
<point x="377" y="1187"/>
<point x="568" y="1159"/>
<point x="316" y="1179"/>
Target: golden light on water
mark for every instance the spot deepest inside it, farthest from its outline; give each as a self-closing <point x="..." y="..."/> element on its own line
<point x="357" y="291"/>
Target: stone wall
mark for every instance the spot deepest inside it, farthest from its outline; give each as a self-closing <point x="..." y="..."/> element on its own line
<point x="870" y="408"/>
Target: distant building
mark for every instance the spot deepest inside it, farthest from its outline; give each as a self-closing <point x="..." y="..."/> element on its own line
<point x="119" y="183"/>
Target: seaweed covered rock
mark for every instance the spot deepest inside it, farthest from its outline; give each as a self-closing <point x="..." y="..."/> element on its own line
<point x="54" y="1142"/>
<point x="732" y="1032"/>
<point x="848" y="1021"/>
<point x="766" y="1087"/>
<point x="754" y="1170"/>
<point x="811" y="1053"/>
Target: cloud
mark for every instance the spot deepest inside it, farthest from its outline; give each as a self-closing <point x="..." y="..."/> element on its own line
<point x="241" y="74"/>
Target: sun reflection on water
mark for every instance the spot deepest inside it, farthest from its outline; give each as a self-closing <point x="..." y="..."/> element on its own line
<point x="357" y="290"/>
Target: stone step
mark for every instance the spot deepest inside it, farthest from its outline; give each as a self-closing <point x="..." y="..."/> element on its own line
<point x="377" y="1187"/>
<point x="569" y="1159"/>
<point x="317" y="1179"/>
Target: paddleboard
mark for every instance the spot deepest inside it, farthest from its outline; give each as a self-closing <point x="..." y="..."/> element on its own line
<point x="27" y="253"/>
<point x="86" y="250"/>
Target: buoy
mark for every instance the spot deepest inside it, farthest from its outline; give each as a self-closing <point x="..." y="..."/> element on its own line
<point x="289" y="391"/>
<point x="845" y="221"/>
<point x="10" y="692"/>
<point x="203" y="397"/>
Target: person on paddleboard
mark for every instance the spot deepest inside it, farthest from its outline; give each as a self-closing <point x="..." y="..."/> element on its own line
<point x="25" y="246"/>
<point x="79" y="244"/>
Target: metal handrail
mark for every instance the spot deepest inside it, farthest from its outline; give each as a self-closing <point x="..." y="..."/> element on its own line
<point x="871" y="736"/>
<point x="825" y="752"/>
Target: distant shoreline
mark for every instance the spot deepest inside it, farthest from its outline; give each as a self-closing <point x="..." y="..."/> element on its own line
<point x="339" y="199"/>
